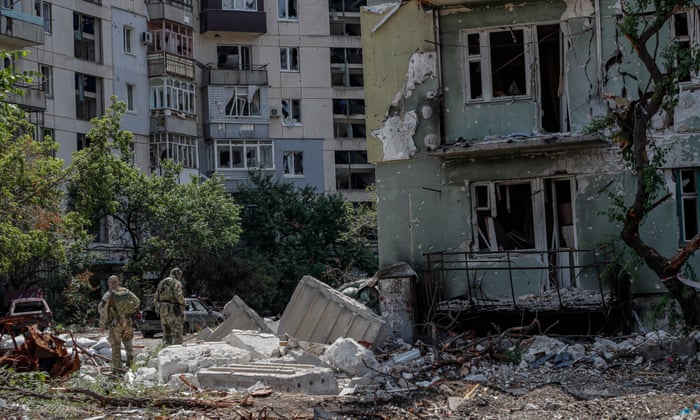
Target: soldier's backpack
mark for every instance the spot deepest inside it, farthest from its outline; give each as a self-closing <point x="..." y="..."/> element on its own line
<point x="166" y="291"/>
<point x="125" y="302"/>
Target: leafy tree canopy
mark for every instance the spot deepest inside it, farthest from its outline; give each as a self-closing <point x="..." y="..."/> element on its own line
<point x="161" y="222"/>
<point x="35" y="232"/>
<point x="644" y="24"/>
<point x="301" y="232"/>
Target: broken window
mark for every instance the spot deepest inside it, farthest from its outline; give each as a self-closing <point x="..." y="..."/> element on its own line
<point x="291" y="111"/>
<point x="243" y="101"/>
<point x="88" y="96"/>
<point x="293" y="163"/>
<point x="348" y="107"/>
<point x="352" y="170"/>
<point x="244" y="5"/>
<point x="289" y="59"/>
<point x="504" y="216"/>
<point x="496" y="64"/>
<point x="171" y="37"/>
<point x="506" y="63"/>
<point x="235" y="57"/>
<point x="523" y="215"/>
<point x="685" y="30"/>
<point x="86" y="37"/>
<point x="244" y="154"/>
<point x="287" y="9"/>
<point x="687" y="185"/>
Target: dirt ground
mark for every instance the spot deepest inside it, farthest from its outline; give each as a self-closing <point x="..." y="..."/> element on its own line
<point x="625" y="389"/>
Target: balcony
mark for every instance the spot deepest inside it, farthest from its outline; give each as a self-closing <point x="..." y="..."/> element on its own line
<point x="164" y="63"/>
<point x="174" y="10"/>
<point x="33" y="97"/>
<point x="223" y="76"/>
<point x="19" y="30"/>
<point x="213" y="18"/>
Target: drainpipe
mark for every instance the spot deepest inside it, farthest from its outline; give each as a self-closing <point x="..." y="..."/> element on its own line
<point x="599" y="43"/>
<point x="438" y="57"/>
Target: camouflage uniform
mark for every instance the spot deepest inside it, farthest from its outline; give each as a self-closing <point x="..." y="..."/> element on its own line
<point x="120" y="327"/>
<point x="170" y="304"/>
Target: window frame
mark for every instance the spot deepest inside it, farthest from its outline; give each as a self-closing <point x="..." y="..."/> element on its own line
<point x="180" y="148"/>
<point x="247" y="150"/>
<point x="283" y="10"/>
<point x="692" y="38"/>
<point x="235" y="5"/>
<point x="128" y="38"/>
<point x="482" y="61"/>
<point x="294" y="118"/>
<point x="240" y="99"/>
<point x="46" y="72"/>
<point x="687" y="196"/>
<point x="293" y="164"/>
<point x="168" y="93"/>
<point x="46" y="17"/>
<point x="130" y="96"/>
<point x="289" y="59"/>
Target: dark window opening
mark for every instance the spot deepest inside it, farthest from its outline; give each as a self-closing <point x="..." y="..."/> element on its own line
<point x="508" y="63"/>
<point x="234" y="57"/>
<point x="550" y="70"/>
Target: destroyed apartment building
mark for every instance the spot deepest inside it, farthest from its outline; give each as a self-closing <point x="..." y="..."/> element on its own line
<point x="489" y="183"/>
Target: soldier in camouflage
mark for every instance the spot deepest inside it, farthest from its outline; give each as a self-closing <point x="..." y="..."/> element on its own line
<point x="120" y="325"/>
<point x="170" y="304"/>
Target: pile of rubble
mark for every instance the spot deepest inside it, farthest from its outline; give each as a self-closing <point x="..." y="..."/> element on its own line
<point x="327" y="344"/>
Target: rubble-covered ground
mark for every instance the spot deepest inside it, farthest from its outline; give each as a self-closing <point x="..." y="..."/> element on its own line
<point x="654" y="375"/>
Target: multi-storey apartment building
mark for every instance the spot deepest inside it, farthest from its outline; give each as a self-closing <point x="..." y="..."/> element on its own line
<point x="221" y="86"/>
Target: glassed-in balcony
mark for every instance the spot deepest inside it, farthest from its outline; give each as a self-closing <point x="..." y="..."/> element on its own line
<point x="164" y="63"/>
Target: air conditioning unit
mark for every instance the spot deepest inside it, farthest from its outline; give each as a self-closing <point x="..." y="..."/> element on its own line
<point x="147" y="38"/>
<point x="274" y="112"/>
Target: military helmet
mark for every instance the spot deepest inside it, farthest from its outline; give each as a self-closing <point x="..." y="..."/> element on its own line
<point x="176" y="272"/>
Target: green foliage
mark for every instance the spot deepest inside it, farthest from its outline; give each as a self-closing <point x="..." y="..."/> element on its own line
<point x="34" y="230"/>
<point x="302" y="232"/>
<point x="78" y="299"/>
<point x="160" y="221"/>
<point x="666" y="309"/>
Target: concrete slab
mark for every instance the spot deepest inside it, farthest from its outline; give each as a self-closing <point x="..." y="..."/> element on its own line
<point x="292" y="378"/>
<point x="318" y="313"/>
<point x="186" y="358"/>
<point x="260" y="345"/>
<point x="239" y="316"/>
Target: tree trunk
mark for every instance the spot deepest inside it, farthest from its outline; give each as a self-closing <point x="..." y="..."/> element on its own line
<point x="667" y="269"/>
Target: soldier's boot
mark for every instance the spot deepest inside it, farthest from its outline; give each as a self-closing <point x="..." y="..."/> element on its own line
<point x="116" y="362"/>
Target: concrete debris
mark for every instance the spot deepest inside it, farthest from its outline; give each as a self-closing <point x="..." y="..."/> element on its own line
<point x="260" y="345"/>
<point x="280" y="377"/>
<point x="318" y="313"/>
<point x="239" y="316"/>
<point x="349" y="356"/>
<point x="189" y="358"/>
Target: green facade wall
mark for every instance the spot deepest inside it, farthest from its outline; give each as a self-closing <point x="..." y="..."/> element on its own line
<point x="425" y="202"/>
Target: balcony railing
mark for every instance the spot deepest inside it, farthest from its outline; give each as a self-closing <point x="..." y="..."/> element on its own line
<point x="164" y="63"/>
<point x="19" y="30"/>
<point x="501" y="281"/>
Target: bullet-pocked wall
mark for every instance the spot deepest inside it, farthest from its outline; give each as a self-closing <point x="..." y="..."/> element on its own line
<point x="574" y="66"/>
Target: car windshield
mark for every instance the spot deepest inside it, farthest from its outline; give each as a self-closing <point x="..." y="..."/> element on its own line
<point x="28" y="307"/>
<point x="195" y="305"/>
